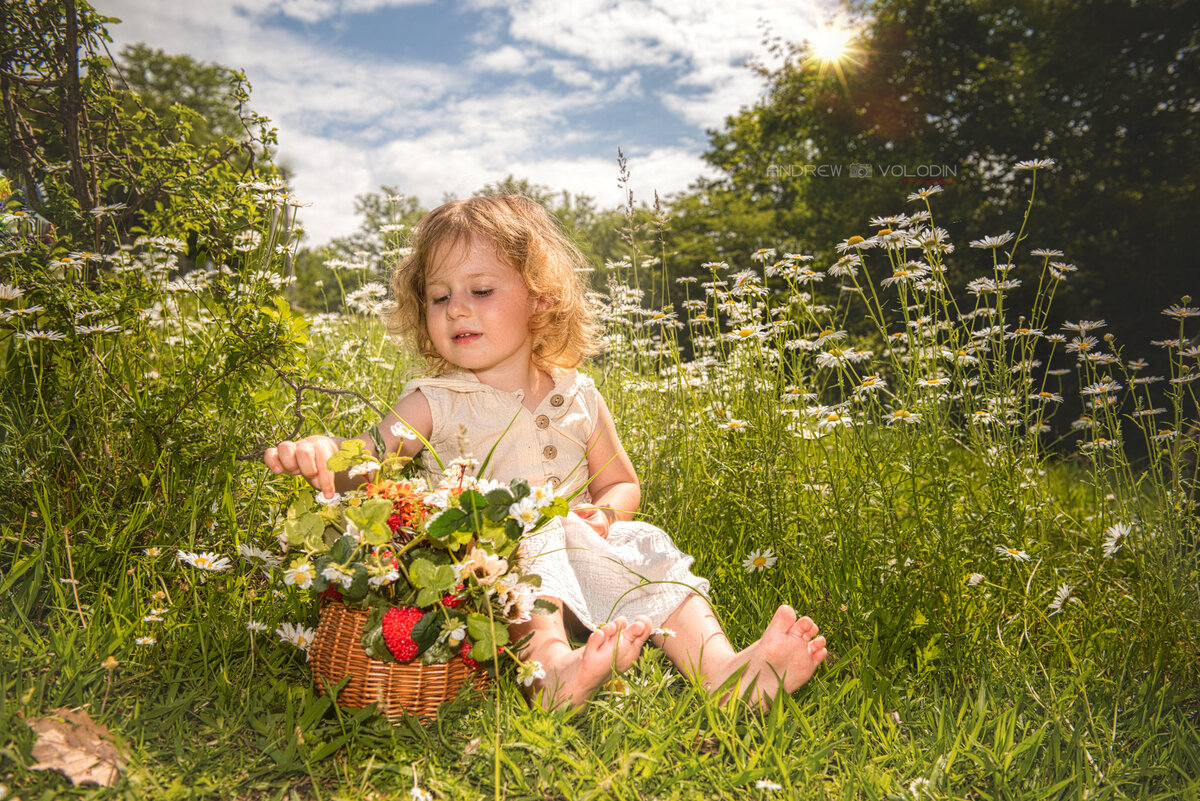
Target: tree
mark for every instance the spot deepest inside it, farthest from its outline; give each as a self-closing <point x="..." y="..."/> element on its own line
<point x="961" y="92"/>
<point x="75" y="141"/>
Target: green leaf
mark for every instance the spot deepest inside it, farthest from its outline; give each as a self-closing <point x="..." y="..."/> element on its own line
<point x="343" y="550"/>
<point x="556" y="508"/>
<point x="472" y="502"/>
<point x="358" y="586"/>
<point x="520" y="489"/>
<point x="498" y="503"/>
<point x="446" y="523"/>
<point x="371" y="519"/>
<point x="304" y="530"/>
<point x="351" y="452"/>
<point x="488" y="636"/>
<point x="439" y="654"/>
<point x="543" y="607"/>
<point x="427" y="575"/>
<point x="372" y="636"/>
<point x="425" y="631"/>
<point x="513" y="529"/>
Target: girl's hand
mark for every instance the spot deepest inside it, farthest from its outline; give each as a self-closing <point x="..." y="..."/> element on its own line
<point x="595" y="517"/>
<point x="306" y="457"/>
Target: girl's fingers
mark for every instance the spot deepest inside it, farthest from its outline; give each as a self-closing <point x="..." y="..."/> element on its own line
<point x="309" y="463"/>
<point x="307" y="459"/>
<point x="285" y="457"/>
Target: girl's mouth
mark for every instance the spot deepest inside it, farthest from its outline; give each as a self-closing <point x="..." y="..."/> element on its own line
<point x="466" y="336"/>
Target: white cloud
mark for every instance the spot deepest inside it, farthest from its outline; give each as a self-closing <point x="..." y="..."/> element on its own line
<point x="506" y="59"/>
<point x="351" y="119"/>
<point x="318" y="10"/>
<point x="613" y="34"/>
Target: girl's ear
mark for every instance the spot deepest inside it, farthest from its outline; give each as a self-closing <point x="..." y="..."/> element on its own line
<point x="542" y="304"/>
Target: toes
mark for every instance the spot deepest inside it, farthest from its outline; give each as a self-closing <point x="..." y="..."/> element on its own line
<point x="817" y="650"/>
<point x="806" y="627"/>
<point x="639" y="630"/>
<point x="783" y="620"/>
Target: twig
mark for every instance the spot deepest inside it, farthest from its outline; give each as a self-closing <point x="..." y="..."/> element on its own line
<point x="74" y="583"/>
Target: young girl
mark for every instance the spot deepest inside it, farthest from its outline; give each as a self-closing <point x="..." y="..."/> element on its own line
<point x="491" y="296"/>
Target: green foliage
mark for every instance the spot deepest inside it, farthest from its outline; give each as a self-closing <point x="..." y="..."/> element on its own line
<point x="960" y="92"/>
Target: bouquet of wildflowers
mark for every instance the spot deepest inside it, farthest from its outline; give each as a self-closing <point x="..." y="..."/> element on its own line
<point x="437" y="568"/>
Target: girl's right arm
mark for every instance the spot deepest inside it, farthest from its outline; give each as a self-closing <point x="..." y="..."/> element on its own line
<point x="308" y="457"/>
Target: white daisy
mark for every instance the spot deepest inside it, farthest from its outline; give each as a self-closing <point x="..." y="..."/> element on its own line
<point x="299" y="636"/>
<point x="1012" y="553"/>
<point x="301" y="574"/>
<point x="403" y="430"/>
<point x="256" y="555"/>
<point x="760" y="560"/>
<point x="529" y="671"/>
<point x="206" y="561"/>
<point x="1112" y="538"/>
<point x="1034" y="164"/>
<point x="1060" y="598"/>
<point x="989" y="242"/>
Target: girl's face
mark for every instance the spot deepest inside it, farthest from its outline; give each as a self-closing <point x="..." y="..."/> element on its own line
<point x="477" y="310"/>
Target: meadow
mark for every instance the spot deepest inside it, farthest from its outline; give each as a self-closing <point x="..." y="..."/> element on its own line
<point x="1010" y="596"/>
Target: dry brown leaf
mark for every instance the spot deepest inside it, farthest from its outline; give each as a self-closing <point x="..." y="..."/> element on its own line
<point x="70" y="742"/>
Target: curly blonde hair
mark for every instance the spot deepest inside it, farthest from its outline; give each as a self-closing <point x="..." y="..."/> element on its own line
<point x="525" y="237"/>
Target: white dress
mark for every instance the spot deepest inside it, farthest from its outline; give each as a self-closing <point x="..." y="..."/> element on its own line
<point x="637" y="570"/>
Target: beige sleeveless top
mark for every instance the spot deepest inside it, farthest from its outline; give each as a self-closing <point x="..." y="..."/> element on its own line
<point x="637" y="570"/>
<point x="546" y="445"/>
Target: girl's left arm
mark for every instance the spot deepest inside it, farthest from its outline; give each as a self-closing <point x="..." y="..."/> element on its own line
<point x="614" y="488"/>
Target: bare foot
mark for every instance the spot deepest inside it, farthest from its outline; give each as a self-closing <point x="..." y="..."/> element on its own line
<point x="786" y="656"/>
<point x="610" y="650"/>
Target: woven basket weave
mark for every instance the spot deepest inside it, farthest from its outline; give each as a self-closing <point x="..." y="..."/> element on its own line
<point x="399" y="689"/>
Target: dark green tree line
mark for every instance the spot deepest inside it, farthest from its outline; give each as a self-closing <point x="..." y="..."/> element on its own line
<point x="962" y="91"/>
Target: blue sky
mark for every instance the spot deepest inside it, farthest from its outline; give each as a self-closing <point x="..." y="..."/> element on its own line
<point x="440" y="98"/>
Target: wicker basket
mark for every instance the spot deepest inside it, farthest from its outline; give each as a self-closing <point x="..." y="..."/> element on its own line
<point x="399" y="689"/>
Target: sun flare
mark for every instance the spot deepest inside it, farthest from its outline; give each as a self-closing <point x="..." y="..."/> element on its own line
<point x="831" y="44"/>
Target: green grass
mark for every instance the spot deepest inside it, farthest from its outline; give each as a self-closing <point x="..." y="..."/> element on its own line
<point x="952" y="674"/>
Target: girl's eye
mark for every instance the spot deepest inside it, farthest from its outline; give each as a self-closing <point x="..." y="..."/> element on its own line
<point x="482" y="293"/>
<point x="439" y="299"/>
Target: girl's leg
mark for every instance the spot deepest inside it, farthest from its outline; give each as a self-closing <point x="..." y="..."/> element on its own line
<point x="786" y="655"/>
<point x="574" y="675"/>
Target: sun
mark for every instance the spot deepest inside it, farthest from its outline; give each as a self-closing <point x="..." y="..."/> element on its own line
<point x="831" y="44"/>
<point x="831" y="47"/>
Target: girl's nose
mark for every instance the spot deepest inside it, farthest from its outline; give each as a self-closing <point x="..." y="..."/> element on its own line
<point x="456" y="306"/>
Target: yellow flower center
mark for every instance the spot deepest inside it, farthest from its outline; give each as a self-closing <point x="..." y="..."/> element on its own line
<point x="855" y="240"/>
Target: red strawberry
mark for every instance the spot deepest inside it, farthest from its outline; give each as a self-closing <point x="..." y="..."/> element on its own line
<point x="450" y="600"/>
<point x="463" y="650"/>
<point x="394" y="522"/>
<point x="398" y="624"/>
<point x="332" y="593"/>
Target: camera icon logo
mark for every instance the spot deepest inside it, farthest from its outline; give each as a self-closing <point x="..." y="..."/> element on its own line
<point x="860" y="171"/>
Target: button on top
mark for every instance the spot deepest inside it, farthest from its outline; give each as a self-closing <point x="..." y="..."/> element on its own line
<point x="553" y="481"/>
<point x="549" y="452"/>
<point x="541" y="421"/>
<point x="557" y="400"/>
